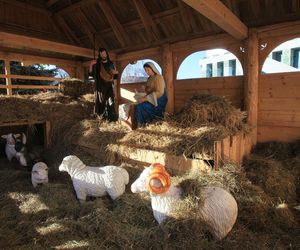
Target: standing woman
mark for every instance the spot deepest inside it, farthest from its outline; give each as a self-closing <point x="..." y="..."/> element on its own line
<point x="104" y="72"/>
<point x="152" y="106"/>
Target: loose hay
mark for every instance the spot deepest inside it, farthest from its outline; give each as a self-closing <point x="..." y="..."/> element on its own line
<point x="264" y="222"/>
<point x="129" y="223"/>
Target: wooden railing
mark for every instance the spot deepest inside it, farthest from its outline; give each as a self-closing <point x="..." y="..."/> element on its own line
<point x="9" y="86"/>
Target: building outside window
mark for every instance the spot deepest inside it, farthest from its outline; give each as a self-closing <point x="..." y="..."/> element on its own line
<point x="232" y="67"/>
<point x="220" y="69"/>
<point x="295" y="57"/>
<point x="277" y="55"/>
<point x="209" y="70"/>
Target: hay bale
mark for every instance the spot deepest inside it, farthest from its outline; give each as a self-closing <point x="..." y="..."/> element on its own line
<point x="209" y="109"/>
<point x="75" y="87"/>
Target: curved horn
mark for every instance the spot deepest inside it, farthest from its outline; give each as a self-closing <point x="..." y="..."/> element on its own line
<point x="159" y="173"/>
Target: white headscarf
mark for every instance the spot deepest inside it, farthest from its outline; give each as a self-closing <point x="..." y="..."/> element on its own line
<point x="152" y="66"/>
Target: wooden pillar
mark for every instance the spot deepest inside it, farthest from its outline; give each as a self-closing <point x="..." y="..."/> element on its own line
<point x="168" y="74"/>
<point x="117" y="86"/>
<point x="7" y="80"/>
<point x="252" y="79"/>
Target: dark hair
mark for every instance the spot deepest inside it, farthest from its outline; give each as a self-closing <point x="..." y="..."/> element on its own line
<point x="101" y="50"/>
<point x="147" y="65"/>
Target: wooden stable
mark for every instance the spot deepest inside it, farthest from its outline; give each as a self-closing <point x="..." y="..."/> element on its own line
<point x="167" y="32"/>
<point x="11" y="127"/>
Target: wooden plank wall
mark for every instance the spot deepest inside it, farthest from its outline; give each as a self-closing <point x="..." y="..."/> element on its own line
<point x="232" y="148"/>
<point x="279" y="107"/>
<point x="229" y="87"/>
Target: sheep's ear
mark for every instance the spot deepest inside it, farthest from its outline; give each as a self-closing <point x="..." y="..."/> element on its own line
<point x="4" y="136"/>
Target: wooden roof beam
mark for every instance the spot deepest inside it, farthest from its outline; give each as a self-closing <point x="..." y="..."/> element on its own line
<point x="186" y="16"/>
<point x="114" y="23"/>
<point x="74" y="6"/>
<point x="66" y="29"/>
<point x="27" y="6"/>
<point x="147" y="20"/>
<point x="218" y="13"/>
<point x="88" y="28"/>
<point x="51" y="2"/>
<point x="13" y="40"/>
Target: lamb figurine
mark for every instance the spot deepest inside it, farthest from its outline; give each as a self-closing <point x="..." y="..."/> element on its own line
<point x="219" y="208"/>
<point x="95" y="181"/>
<point x="39" y="174"/>
<point x="11" y="140"/>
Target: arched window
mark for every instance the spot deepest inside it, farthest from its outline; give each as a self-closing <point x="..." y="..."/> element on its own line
<point x="134" y="72"/>
<point x="210" y="63"/>
<point x="284" y="58"/>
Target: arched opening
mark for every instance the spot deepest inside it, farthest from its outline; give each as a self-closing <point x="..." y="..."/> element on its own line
<point x="284" y="58"/>
<point x="209" y="63"/>
<point x="134" y="72"/>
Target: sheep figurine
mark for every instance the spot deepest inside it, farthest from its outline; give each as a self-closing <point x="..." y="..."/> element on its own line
<point x="11" y="140"/>
<point x="39" y="174"/>
<point x="219" y="208"/>
<point x="95" y="181"/>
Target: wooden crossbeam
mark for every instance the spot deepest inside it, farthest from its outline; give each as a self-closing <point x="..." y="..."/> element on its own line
<point x="218" y="13"/>
<point x="24" y="77"/>
<point x="147" y="19"/>
<point x="8" y="39"/>
<point x="114" y="23"/>
<point x="31" y="59"/>
<point x="14" y="86"/>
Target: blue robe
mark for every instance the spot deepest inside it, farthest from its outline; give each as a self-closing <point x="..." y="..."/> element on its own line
<point x="147" y="112"/>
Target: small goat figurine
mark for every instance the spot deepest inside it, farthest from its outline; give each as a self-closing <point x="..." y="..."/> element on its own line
<point x="219" y="208"/>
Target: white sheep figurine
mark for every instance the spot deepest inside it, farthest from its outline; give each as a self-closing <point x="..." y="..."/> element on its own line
<point x="10" y="150"/>
<point x="39" y="174"/>
<point x="219" y="208"/>
<point x="95" y="181"/>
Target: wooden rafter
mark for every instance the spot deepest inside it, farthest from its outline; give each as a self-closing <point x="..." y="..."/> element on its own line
<point x="147" y="19"/>
<point x="114" y="23"/>
<point x="12" y="40"/>
<point x="66" y="29"/>
<point x="51" y="2"/>
<point x="74" y="6"/>
<point x="89" y="29"/>
<point x="27" y="6"/>
<point x="218" y="13"/>
<point x="186" y="16"/>
<point x="99" y="41"/>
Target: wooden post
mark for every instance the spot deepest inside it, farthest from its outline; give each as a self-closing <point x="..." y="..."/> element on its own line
<point x="168" y="76"/>
<point x="252" y="79"/>
<point x="7" y="79"/>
